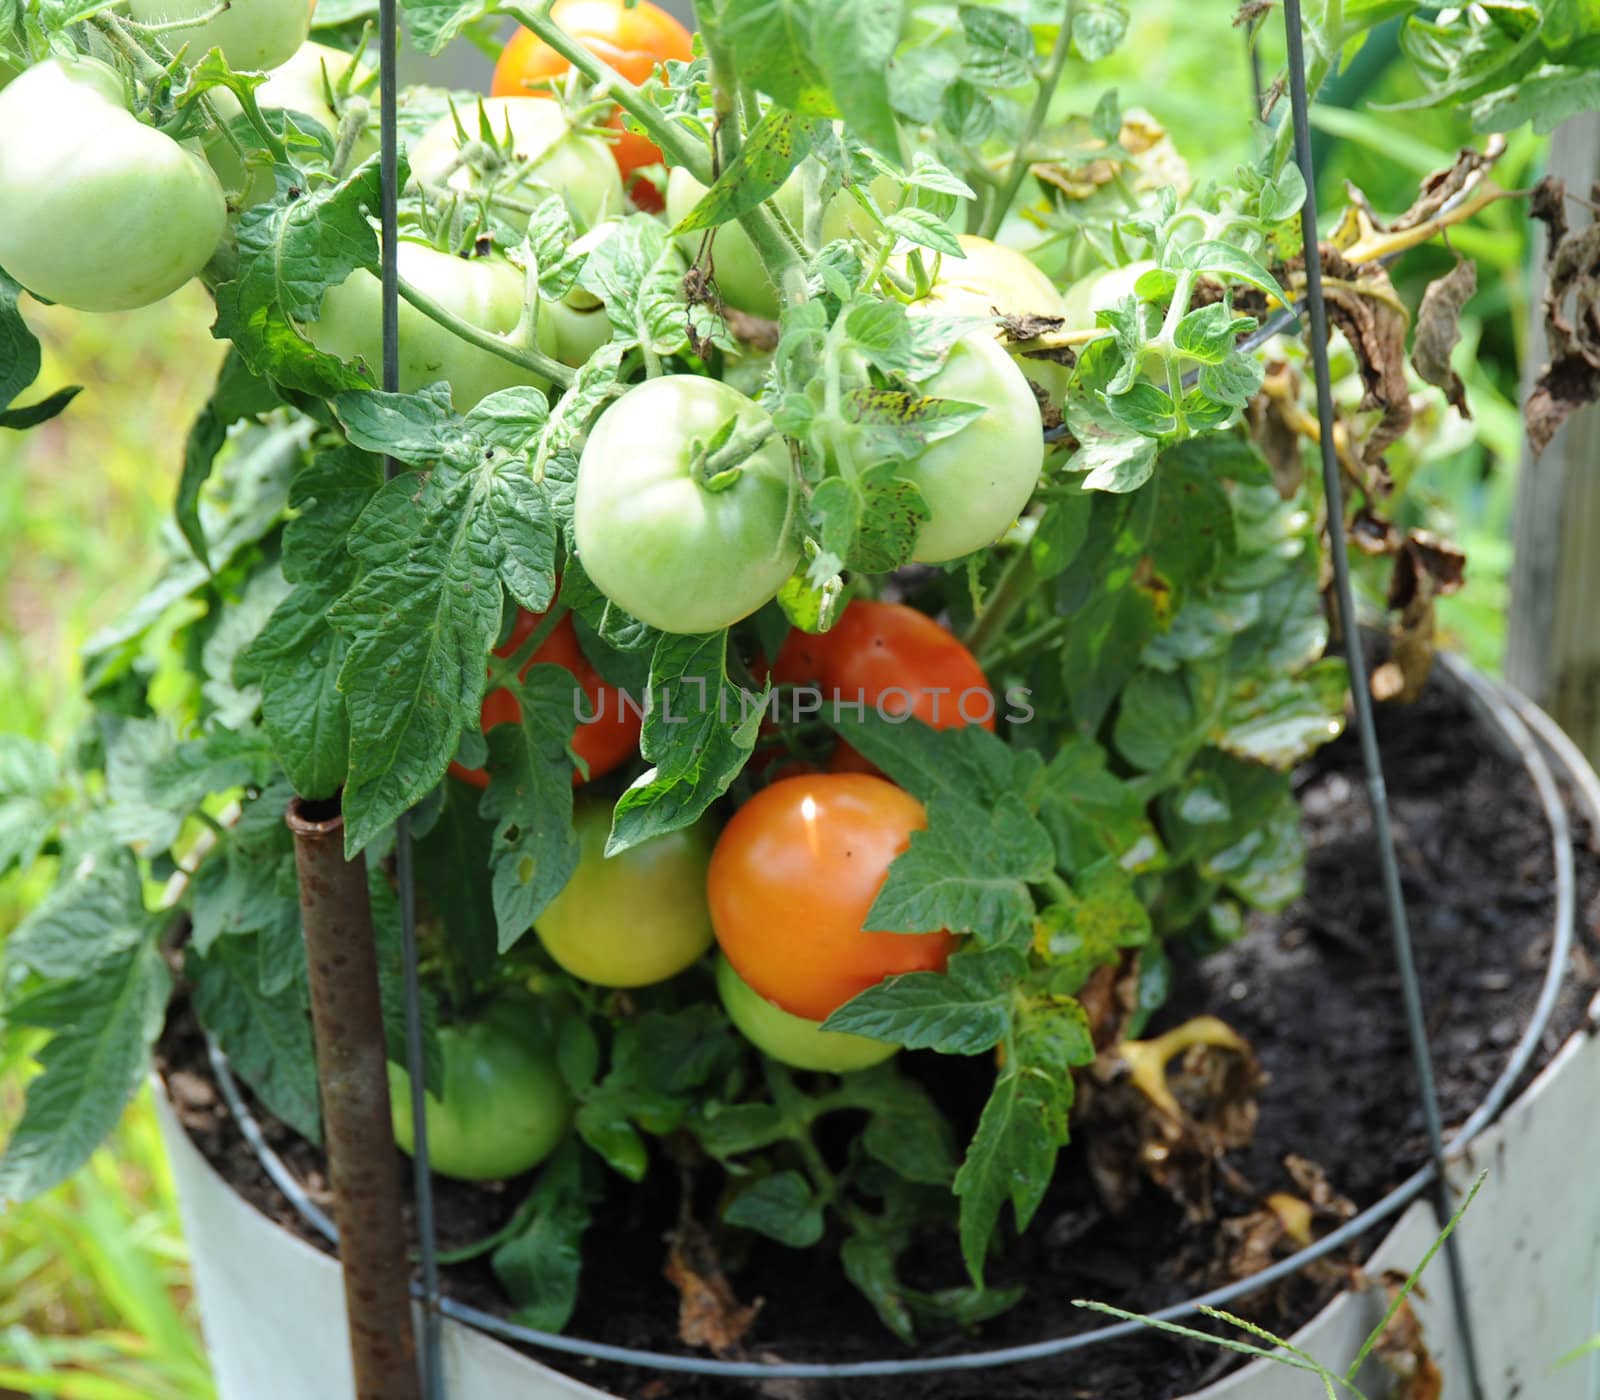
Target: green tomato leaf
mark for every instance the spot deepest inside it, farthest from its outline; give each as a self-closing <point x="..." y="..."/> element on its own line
<point x="1000" y="48"/>
<point x="386" y="935"/>
<point x="104" y="1022"/>
<point x="453" y="867"/>
<point x="97" y="915"/>
<point x="1089" y="929"/>
<point x="1224" y="260"/>
<point x="1024" y="1125"/>
<point x="1288" y="718"/>
<point x="434" y="23"/>
<point x="964" y="1010"/>
<point x="239" y="393"/>
<point x="699" y="731"/>
<point x="535" y="849"/>
<point x="290" y="252"/>
<point x="268" y="1039"/>
<point x="906" y="1131"/>
<point x="540" y="1265"/>
<point x="20" y="362"/>
<point x="30" y="802"/>
<point x="968" y="872"/>
<point x="1091" y="813"/>
<point x="1098" y="29"/>
<point x="781" y="1207"/>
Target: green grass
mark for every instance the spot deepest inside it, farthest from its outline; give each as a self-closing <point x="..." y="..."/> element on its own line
<point x="94" y="1286"/>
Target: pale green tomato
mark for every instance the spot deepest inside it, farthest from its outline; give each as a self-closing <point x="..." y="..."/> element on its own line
<point x="254" y="35"/>
<point x="977" y="481"/>
<point x="97" y="210"/>
<point x="550" y="154"/>
<point x="992" y="280"/>
<point x="635" y="919"/>
<point x="791" y="1039"/>
<point x="579" y="319"/>
<point x="298" y="86"/>
<point x="741" y="276"/>
<point x="504" y="1105"/>
<point x="1100" y="291"/>
<point x="655" y="541"/>
<point x="484" y="291"/>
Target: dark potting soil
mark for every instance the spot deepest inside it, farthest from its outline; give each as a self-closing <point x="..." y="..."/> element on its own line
<point x="1313" y="989"/>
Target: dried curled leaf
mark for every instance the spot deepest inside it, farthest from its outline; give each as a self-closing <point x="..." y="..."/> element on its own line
<point x="1571" y="379"/>
<point x="1362" y="303"/>
<point x="1404" y="1351"/>
<point x="1439" y="187"/>
<point x="1152" y="161"/>
<point x="1439" y="329"/>
<point x="1425" y="567"/>
<point x="709" y="1315"/>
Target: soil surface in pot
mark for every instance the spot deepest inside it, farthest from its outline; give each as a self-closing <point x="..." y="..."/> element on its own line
<point x="1313" y="989"/>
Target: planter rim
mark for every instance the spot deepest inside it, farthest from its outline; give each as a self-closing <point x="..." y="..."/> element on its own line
<point x="1508" y="715"/>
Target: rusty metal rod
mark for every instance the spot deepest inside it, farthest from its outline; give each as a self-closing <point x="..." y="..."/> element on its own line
<point x="347" y="1018"/>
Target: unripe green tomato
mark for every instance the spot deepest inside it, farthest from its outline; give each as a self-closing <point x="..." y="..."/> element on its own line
<point x="297" y="86"/>
<point x="635" y="919"/>
<point x="504" y="1106"/>
<point x="485" y="291"/>
<point x="579" y="319"/>
<point x="97" y="210"/>
<point x="254" y="35"/>
<point x="994" y="280"/>
<point x="550" y="153"/>
<point x="1100" y="291"/>
<point x="791" y="1039"/>
<point x="740" y="274"/>
<point x="662" y="546"/>
<point x="977" y="481"/>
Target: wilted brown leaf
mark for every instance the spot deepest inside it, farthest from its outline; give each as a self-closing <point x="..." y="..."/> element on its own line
<point x="1439" y="329"/>
<point x="1571" y="379"/>
<point x="1441" y="186"/>
<point x="1404" y="1351"/>
<point x="1362" y="303"/>
<point x="709" y="1315"/>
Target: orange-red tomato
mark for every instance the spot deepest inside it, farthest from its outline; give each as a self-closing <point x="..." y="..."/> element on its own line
<point x="792" y="878"/>
<point x="632" y="40"/>
<point x="894" y="658"/>
<point x="608" y="728"/>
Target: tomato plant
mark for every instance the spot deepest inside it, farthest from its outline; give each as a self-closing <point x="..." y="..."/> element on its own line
<point x="677" y="540"/>
<point x="634" y="918"/>
<point x="502" y="1106"/>
<point x="836" y="408"/>
<point x="608" y="726"/>
<point x="792" y="1039"/>
<point x="792" y="880"/>
<point x="632" y="39"/>
<point x="106" y="213"/>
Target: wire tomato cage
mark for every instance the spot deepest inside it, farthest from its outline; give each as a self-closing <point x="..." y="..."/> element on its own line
<point x="1524" y="731"/>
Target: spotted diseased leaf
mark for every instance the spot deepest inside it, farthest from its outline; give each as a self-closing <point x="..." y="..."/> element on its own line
<point x="769" y="155"/>
<point x="1091" y="928"/>
<point x="868" y="522"/>
<point x="1282" y="720"/>
<point x="968" y="872"/>
<point x="699" y="731"/>
<point x="1024" y="1124"/>
<point x="534" y="849"/>
<point x="896" y="423"/>
<point x="1090" y="813"/>
<point x="1439" y="330"/>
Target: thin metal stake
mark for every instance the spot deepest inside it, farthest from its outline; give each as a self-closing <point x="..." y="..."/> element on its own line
<point x="1377" y="792"/>
<point x="388" y="157"/>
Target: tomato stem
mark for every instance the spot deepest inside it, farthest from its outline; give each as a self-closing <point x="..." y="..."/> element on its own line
<point x="528" y="356"/>
<point x="1017" y="580"/>
<point x="353" y="122"/>
<point x="503" y="668"/>
<point x="1049" y="80"/>
<point x="191" y="22"/>
<point x="719" y="469"/>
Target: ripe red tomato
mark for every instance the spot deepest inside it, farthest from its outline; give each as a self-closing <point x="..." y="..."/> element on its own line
<point x="633" y="40"/>
<point x="608" y="727"/>
<point x="792" y="879"/>
<point x="894" y="658"/>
